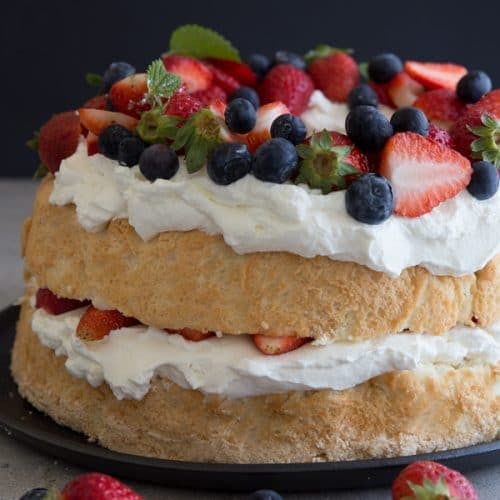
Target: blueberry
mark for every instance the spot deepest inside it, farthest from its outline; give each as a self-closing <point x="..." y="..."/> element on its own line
<point x="472" y="86"/>
<point x="265" y="495"/>
<point x="229" y="162"/>
<point x="158" y="162"/>
<point x="247" y="93"/>
<point x="410" y="119"/>
<point x="260" y="64"/>
<point x="275" y="161"/>
<point x="117" y="71"/>
<point x="370" y="199"/>
<point x="35" y="494"/>
<point x="129" y="151"/>
<point x="290" y="127"/>
<point x="240" y="116"/>
<point x="384" y="67"/>
<point x="368" y="128"/>
<point x="286" y="57"/>
<point x="362" y="95"/>
<point x="484" y="181"/>
<point x="110" y="138"/>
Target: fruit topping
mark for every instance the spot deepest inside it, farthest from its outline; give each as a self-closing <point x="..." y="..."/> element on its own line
<point x="329" y="162"/>
<point x="183" y="105"/>
<point x="241" y="72"/>
<point x="403" y="90"/>
<point x="130" y="150"/>
<point x="287" y="84"/>
<point x="287" y="57"/>
<point x="247" y="93"/>
<point x="58" y="139"/>
<point x="225" y="81"/>
<point x="275" y="161"/>
<point x="193" y="73"/>
<point x="240" y="116"/>
<point x="259" y="64"/>
<point x="273" y="346"/>
<point x="129" y="95"/>
<point x="117" y="71"/>
<point x="369" y="199"/>
<point x="290" y="127"/>
<point x="92" y="144"/>
<point x="229" y="162"/>
<point x="97" y="486"/>
<point x="484" y="181"/>
<point x="158" y="161"/>
<point x="384" y="67"/>
<point x="382" y="91"/>
<point x="487" y="144"/>
<point x="206" y="97"/>
<point x="98" y="102"/>
<point x="96" y="120"/>
<point x="472" y="86"/>
<point x="435" y="75"/>
<point x="362" y="95"/>
<point x="422" y="173"/>
<point x="110" y="138"/>
<point x="368" y="128"/>
<point x="410" y="119"/>
<point x="439" y="135"/>
<point x="432" y="481"/>
<point x="95" y="324"/>
<point x="190" y="334"/>
<point x="51" y="303"/>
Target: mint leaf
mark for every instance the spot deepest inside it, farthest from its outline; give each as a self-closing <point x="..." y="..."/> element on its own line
<point x="196" y="41"/>
<point x="94" y="80"/>
<point x="161" y="83"/>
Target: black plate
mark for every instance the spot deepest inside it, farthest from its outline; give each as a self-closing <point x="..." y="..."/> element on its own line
<point x="22" y="421"/>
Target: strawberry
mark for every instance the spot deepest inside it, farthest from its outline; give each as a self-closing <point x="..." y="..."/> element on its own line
<point x="97" y="102"/>
<point x="92" y="144"/>
<point x="183" y="104"/>
<point x="287" y="84"/>
<point x="96" y="120"/>
<point x="382" y="91"/>
<point x="95" y="324"/>
<point x="97" y="486"/>
<point x="224" y="80"/>
<point x="193" y="73"/>
<point x="190" y="334"/>
<point x="430" y="480"/>
<point x="59" y="139"/>
<point x="335" y="75"/>
<point x="128" y="95"/>
<point x="237" y="70"/>
<point x="439" y="135"/>
<point x="422" y="172"/>
<point x="50" y="302"/>
<point x="277" y="345"/>
<point x="213" y="93"/>
<point x="435" y="75"/>
<point x="461" y="136"/>
<point x="403" y="90"/>
<point x="441" y="107"/>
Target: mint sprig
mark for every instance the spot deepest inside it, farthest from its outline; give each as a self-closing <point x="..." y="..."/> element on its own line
<point x="200" y="42"/>
<point x="161" y="84"/>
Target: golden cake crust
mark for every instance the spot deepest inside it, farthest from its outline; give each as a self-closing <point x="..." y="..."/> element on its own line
<point x="401" y="413"/>
<point x="191" y="279"/>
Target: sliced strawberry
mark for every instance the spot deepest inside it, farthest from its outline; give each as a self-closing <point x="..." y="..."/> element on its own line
<point x="287" y="84"/>
<point x="92" y="144"/>
<point x="193" y="73"/>
<point x="59" y="139"/>
<point x="190" y="334"/>
<point x="96" y="120"/>
<point x="218" y="108"/>
<point x="50" y="302"/>
<point x="224" y="80"/>
<point x="382" y="91"/>
<point x="403" y="90"/>
<point x="97" y="102"/>
<point x="237" y="70"/>
<point x="96" y="324"/>
<point x="439" y="135"/>
<point x="435" y="75"/>
<point x="128" y="95"/>
<point x="183" y="104"/>
<point x="422" y="172"/>
<point x="273" y="346"/>
<point x="213" y="93"/>
<point x="441" y="106"/>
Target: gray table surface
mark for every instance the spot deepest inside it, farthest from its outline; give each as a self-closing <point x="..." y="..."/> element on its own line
<point x="22" y="468"/>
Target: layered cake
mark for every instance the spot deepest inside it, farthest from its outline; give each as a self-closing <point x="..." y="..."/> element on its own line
<point x="288" y="259"/>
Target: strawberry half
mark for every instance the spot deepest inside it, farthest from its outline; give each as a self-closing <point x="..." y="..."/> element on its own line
<point x="128" y="95"/>
<point x="97" y="486"/>
<point x="273" y="346"/>
<point x="92" y="144"/>
<point x="50" y="302"/>
<point x="382" y="91"/>
<point x="422" y="172"/>
<point x="190" y="334"/>
<point x="223" y="80"/>
<point x="96" y="120"/>
<point x="213" y="93"/>
<point x="403" y="90"/>
<point x="192" y="72"/>
<point x="183" y="104"/>
<point x="435" y="75"/>
<point x="95" y="324"/>
<point x="97" y="102"/>
<point x="59" y="139"/>
<point x="241" y="72"/>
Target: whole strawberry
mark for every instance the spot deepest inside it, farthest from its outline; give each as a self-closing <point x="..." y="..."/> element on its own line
<point x="96" y="486"/>
<point x="431" y="481"/>
<point x="333" y="71"/>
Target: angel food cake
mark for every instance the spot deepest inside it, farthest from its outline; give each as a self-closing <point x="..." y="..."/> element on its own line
<point x="292" y="259"/>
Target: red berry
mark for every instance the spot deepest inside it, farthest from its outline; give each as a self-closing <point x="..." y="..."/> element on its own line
<point x="97" y="486"/>
<point x="287" y="84"/>
<point x="97" y="102"/>
<point x="182" y="104"/>
<point x="435" y="75"/>
<point x="193" y="73"/>
<point x="213" y="93"/>
<point x="192" y="335"/>
<point x="439" y="135"/>
<point x="382" y="91"/>
<point x="441" y="107"/>
<point x="92" y="144"/>
<point x="95" y="324"/>
<point x="50" y="302"/>
<point x="335" y="75"/>
<point x="237" y="70"/>
<point x="356" y="157"/>
<point x="224" y="80"/>
<point x="273" y="346"/>
<point x="96" y="120"/>
<point x="128" y="95"/>
<point x="403" y="90"/>
<point x="59" y="139"/>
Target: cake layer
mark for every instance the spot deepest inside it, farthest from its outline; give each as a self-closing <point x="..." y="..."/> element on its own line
<point x="191" y="279"/>
<point x="400" y="413"/>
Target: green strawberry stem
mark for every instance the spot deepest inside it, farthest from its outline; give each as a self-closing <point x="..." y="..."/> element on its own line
<point x="487" y="146"/>
<point x="430" y="491"/>
<point x="322" y="51"/>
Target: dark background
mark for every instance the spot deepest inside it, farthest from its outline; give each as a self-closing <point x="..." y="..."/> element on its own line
<point x="48" y="46"/>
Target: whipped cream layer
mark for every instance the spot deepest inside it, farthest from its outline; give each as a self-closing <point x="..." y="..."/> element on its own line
<point x="231" y="366"/>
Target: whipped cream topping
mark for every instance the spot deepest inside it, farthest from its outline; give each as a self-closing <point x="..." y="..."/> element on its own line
<point x="231" y="366"/>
